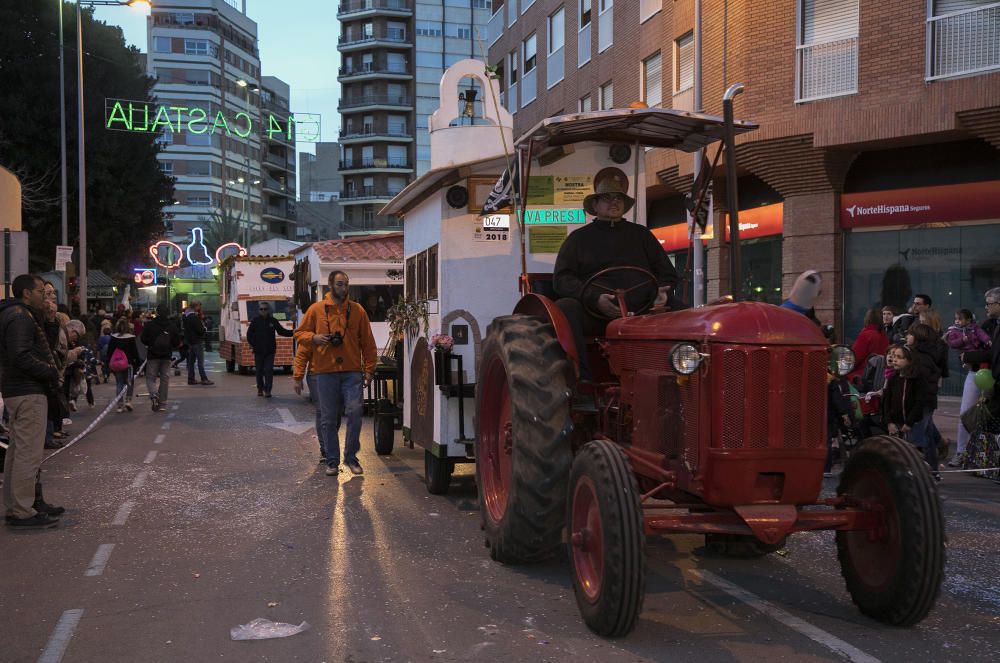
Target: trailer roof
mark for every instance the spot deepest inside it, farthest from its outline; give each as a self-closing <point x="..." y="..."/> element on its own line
<point x="653" y="127"/>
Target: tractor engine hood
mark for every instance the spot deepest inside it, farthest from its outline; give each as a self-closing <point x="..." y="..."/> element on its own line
<point x="741" y="322"/>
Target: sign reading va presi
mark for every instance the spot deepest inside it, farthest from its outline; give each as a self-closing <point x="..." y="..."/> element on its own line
<point x="147" y="117"/>
<point x="550" y="217"/>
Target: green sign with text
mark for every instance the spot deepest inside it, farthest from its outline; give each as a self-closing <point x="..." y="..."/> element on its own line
<point x="550" y="217"/>
<point x="145" y="117"/>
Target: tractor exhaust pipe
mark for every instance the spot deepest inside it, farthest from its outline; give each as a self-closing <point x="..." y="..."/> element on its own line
<point x="732" y="202"/>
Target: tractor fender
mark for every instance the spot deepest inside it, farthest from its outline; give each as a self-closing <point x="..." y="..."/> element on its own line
<point x="543" y="307"/>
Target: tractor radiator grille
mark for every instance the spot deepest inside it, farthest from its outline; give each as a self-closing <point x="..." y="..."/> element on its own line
<point x="690" y="412"/>
<point x="770" y="398"/>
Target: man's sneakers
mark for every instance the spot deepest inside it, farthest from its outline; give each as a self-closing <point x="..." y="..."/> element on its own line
<point x="206" y="381"/>
<point x="260" y="392"/>
<point x="128" y="405"/>
<point x="38" y="521"/>
<point x="267" y="394"/>
<point x="354" y="467"/>
<point x="120" y="408"/>
<point x="192" y="382"/>
<point x="50" y="510"/>
<point x="332" y="470"/>
<point x="154" y="402"/>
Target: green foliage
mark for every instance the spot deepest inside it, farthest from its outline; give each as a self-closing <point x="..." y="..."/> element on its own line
<point x="125" y="188"/>
<point x="407" y="317"/>
<point x="223" y="226"/>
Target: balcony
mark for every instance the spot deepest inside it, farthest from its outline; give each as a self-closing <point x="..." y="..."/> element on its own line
<point x="371" y="71"/>
<point x="375" y="134"/>
<point x="285" y="212"/>
<point x="376" y="101"/>
<point x="365" y="8"/>
<point x="375" y="164"/>
<point x="277" y="160"/>
<point x="385" y="37"/>
<point x="495" y="27"/>
<point x="275" y="187"/>
<point x="368" y="194"/>
<point x="963" y="43"/>
<point x="828" y="69"/>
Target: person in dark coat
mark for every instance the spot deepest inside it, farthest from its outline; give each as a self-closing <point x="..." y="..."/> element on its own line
<point x="123" y="339"/>
<point x="923" y="343"/>
<point x="990" y="357"/>
<point x="160" y="336"/>
<point x="610" y="241"/>
<point x="194" y="338"/>
<point x="904" y="395"/>
<point x="261" y="337"/>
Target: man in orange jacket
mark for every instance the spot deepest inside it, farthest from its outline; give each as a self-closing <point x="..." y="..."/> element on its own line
<point x="343" y="360"/>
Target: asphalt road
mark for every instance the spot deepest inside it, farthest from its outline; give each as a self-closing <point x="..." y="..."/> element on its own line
<point x="185" y="524"/>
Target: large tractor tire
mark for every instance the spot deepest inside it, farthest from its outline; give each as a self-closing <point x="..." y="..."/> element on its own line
<point x="894" y="574"/>
<point x="523" y="453"/>
<point x="607" y="552"/>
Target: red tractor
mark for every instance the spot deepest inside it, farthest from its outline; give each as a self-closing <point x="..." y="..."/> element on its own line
<point x="709" y="420"/>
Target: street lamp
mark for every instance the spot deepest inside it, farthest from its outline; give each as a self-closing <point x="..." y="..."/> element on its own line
<point x="146" y="4"/>
<point x="248" y="88"/>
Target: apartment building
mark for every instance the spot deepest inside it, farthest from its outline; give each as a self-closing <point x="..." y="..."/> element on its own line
<point x="203" y="55"/>
<point x="876" y="161"/>
<point x="319" y="213"/>
<point x="393" y="53"/>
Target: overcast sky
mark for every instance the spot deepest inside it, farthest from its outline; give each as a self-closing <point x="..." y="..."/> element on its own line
<point x="298" y="44"/>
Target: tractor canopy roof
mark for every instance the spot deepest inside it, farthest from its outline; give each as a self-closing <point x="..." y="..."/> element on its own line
<point x="652" y="127"/>
<point x="742" y="322"/>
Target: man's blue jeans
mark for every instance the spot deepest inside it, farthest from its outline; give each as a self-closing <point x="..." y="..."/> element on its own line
<point x="334" y="389"/>
<point x="196" y="351"/>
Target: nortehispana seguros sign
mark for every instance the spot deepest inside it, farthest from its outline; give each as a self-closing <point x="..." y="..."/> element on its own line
<point x="146" y="117"/>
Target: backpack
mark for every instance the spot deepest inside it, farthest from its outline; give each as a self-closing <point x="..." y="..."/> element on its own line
<point x="119" y="362"/>
<point x="161" y="344"/>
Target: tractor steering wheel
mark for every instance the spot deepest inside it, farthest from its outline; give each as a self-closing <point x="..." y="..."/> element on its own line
<point x="648" y="282"/>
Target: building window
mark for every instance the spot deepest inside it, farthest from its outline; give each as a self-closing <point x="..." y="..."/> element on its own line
<point x="652" y="80"/>
<point x="525" y="4"/>
<point x="585" y="104"/>
<point x="199" y="200"/>
<point x="684" y="63"/>
<point x="647" y="8"/>
<point x="196" y="47"/>
<point x="184" y="18"/>
<point x="199" y="168"/>
<point x="457" y="31"/>
<point x="162" y="44"/>
<point x="428" y="29"/>
<point x="482" y="4"/>
<point x="512" y="59"/>
<point x="530" y="51"/>
<point x="584" y="13"/>
<point x="607" y="96"/>
<point x="605" y="25"/>
<point x="963" y="37"/>
<point x="827" y="50"/>
<point x="557" y="30"/>
<point x="167" y="167"/>
<point x="199" y="139"/>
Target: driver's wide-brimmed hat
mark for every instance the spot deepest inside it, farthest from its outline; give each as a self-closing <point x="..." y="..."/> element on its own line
<point x="608" y="180"/>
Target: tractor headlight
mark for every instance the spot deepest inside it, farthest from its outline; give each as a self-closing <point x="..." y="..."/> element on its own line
<point x="841" y="360"/>
<point x="685" y="358"/>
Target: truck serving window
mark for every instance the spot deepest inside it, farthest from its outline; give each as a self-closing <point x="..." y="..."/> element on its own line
<point x="376" y="299"/>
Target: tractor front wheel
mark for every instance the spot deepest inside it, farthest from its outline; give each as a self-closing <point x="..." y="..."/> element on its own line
<point x="607" y="552"/>
<point x="523" y="453"/>
<point x="894" y="572"/>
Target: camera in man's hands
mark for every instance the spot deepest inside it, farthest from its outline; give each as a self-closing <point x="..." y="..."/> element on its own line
<point x="336" y="339"/>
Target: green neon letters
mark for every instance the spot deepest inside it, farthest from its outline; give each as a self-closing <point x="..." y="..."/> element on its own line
<point x="144" y="117"/>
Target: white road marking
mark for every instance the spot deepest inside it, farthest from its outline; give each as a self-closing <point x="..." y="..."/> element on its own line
<point x="150" y="457"/>
<point x="140" y="479"/>
<point x="171" y="415"/>
<point x="176" y="406"/>
<point x="123" y="513"/>
<point x="159" y="439"/>
<point x="100" y="560"/>
<point x="59" y="640"/>
<point x="165" y="426"/>
<point x="814" y="633"/>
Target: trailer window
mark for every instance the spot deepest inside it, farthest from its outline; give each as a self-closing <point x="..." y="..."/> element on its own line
<point x="376" y="299"/>
<point x="280" y="309"/>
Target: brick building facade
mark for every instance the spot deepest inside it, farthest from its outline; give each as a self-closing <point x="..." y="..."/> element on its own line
<point x="851" y="98"/>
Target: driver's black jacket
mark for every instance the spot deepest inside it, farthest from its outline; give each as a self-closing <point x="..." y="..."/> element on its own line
<point x="603" y="244"/>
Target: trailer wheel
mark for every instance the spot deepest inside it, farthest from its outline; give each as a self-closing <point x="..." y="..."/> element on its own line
<point x="523" y="453"/>
<point x="385" y="429"/>
<point x="437" y="473"/>
<point x="893" y="574"/>
<point x="607" y="540"/>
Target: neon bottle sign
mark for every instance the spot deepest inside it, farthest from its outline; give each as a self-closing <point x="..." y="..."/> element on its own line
<point x="169" y="255"/>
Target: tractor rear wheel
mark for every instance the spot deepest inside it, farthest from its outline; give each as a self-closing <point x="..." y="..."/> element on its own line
<point x="893" y="574"/>
<point x="607" y="540"/>
<point x="523" y="453"/>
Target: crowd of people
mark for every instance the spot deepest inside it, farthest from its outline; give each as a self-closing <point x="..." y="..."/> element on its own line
<point x="49" y="361"/>
<point x="902" y="360"/>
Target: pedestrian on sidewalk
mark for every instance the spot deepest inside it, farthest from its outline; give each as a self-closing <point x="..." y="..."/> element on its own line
<point x="344" y="358"/>
<point x="989" y="358"/>
<point x="922" y="341"/>
<point x="261" y="337"/>
<point x="302" y="369"/>
<point x="903" y="397"/>
<point x="160" y="336"/>
<point x="123" y="361"/>
<point x="871" y="341"/>
<point x="966" y="336"/>
<point x="29" y="371"/>
<point x="194" y="337"/>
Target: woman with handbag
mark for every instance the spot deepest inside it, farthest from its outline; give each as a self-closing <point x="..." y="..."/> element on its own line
<point x="123" y="361"/>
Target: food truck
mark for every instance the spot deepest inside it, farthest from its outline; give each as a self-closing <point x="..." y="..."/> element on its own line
<point x="247" y="281"/>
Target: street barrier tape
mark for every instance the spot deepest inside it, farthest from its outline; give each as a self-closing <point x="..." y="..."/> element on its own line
<point x="93" y="424"/>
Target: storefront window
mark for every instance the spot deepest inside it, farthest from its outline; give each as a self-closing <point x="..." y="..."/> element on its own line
<point x="376" y="299"/>
<point x="955" y="266"/>
<point x="761" y="266"/>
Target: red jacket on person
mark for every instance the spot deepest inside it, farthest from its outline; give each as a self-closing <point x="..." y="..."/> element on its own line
<point x="871" y="341"/>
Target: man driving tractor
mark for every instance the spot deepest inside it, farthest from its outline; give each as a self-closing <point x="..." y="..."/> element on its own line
<point x="610" y="241"/>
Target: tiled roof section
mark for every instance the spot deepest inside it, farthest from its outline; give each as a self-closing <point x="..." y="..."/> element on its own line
<point x="386" y="247"/>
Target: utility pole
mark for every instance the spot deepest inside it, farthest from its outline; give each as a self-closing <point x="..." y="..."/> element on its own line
<point x="698" y="250"/>
<point x="81" y="278"/>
